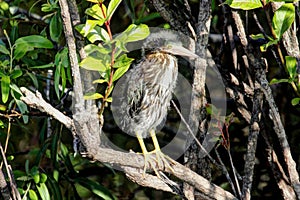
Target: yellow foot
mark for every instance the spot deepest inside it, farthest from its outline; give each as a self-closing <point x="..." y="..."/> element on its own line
<point x="161" y="160"/>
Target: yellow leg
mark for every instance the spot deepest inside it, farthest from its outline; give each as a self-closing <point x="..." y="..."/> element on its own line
<point x="161" y="159"/>
<point x="146" y="154"/>
<point x="155" y="141"/>
<point x="142" y="144"/>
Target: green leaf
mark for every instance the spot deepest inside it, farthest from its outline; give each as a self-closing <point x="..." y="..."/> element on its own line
<point x="35" y="41"/>
<point x="16" y="89"/>
<point x="92" y="96"/>
<point x="3" y="107"/>
<point x="295" y="101"/>
<point x="1" y="124"/>
<point x="28" y="43"/>
<point x="32" y="195"/>
<point x="109" y="99"/>
<point x="122" y="61"/>
<point x="112" y="6"/>
<point x="93" y="34"/>
<point x="283" y="19"/>
<point x="264" y="47"/>
<point x="56" y="79"/>
<point x="55" y="188"/>
<point x="275" y="81"/>
<point x="122" y="64"/>
<point x="43" y="178"/>
<point x="91" y="48"/>
<point x="291" y="65"/>
<point x="5" y="82"/>
<point x="23" y="108"/>
<point x="257" y="36"/>
<point x="21" y="50"/>
<point x="43" y="66"/>
<point x="134" y="33"/>
<point x="96" y="12"/>
<point x="95" y="187"/>
<point x="36" y="178"/>
<point x="16" y="74"/>
<point x="55" y="27"/>
<point x="99" y="81"/>
<point x="244" y="5"/>
<point x="119" y="72"/>
<point x="3" y="49"/>
<point x="43" y="191"/>
<point x="94" y="64"/>
<point x="95" y="1"/>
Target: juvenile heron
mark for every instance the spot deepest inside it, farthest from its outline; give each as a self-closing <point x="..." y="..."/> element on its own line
<point x="149" y="89"/>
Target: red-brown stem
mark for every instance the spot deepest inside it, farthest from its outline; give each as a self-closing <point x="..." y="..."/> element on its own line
<point x="109" y="84"/>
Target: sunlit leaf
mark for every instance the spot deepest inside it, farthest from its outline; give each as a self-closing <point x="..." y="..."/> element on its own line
<point x="32" y="195"/>
<point x="112" y="6"/>
<point x="283" y="19"/>
<point x="92" y="96"/>
<point x="5" y="82"/>
<point x="295" y="101"/>
<point x="91" y="63"/>
<point x="95" y="1"/>
<point x="1" y="124"/>
<point x="275" y="81"/>
<point x="119" y="72"/>
<point x="96" y="12"/>
<point x="99" y="81"/>
<point x="91" y="48"/>
<point x="109" y="99"/>
<point x="3" y="107"/>
<point x="43" y="178"/>
<point x="43" y="191"/>
<point x="257" y="36"/>
<point x="264" y="47"/>
<point x="244" y="5"/>
<point x="134" y="33"/>
<point x="291" y="65"/>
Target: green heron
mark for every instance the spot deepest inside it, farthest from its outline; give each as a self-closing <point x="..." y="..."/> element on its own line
<point x="149" y="89"/>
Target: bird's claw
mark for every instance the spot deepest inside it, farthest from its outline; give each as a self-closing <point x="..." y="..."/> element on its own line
<point x="161" y="160"/>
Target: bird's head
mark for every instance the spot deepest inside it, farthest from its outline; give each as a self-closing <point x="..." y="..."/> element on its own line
<point x="166" y="42"/>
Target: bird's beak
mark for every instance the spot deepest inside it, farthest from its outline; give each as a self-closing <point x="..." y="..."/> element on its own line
<point x="178" y="50"/>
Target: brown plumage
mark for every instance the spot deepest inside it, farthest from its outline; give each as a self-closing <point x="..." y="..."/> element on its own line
<point x="149" y="88"/>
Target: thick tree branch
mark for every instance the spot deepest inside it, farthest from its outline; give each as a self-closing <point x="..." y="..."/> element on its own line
<point x="86" y="124"/>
